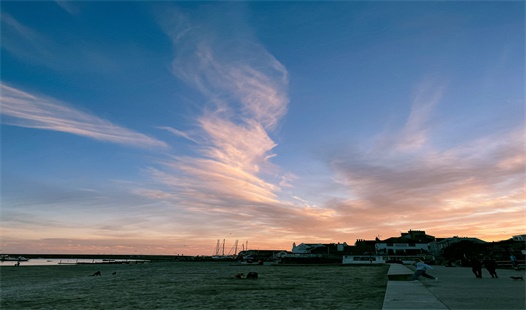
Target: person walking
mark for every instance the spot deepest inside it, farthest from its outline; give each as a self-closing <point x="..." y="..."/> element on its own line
<point x="421" y="269"/>
<point x="513" y="260"/>
<point x="476" y="267"/>
<point x="490" y="265"/>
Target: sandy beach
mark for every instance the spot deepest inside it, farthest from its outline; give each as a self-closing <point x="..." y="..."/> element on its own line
<point x="192" y="286"/>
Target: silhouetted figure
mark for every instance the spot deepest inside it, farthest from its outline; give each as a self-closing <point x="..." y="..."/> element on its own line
<point x="476" y="267"/>
<point x="513" y="260"/>
<point x="421" y="268"/>
<point x="114" y="273"/>
<point x="97" y="274"/>
<point x="252" y="275"/>
<point x="490" y="265"/>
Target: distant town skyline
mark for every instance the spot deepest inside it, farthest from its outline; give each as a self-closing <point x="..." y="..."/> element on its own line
<point x="158" y="127"/>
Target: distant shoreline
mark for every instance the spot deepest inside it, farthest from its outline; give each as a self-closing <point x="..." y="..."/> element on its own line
<point x="153" y="258"/>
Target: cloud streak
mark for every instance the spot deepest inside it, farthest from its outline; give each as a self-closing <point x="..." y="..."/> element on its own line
<point x="244" y="89"/>
<point x="23" y="109"/>
<point x="27" y="43"/>
<point x="414" y="135"/>
<point x="67" y="6"/>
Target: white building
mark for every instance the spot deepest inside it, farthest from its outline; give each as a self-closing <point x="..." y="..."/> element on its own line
<point x="304" y="248"/>
<point x="519" y="238"/>
<point x="411" y="243"/>
<point x="437" y="246"/>
<point x="309" y="248"/>
<point x="401" y="248"/>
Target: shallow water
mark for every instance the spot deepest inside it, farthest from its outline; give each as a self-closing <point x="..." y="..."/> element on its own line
<point x="192" y="286"/>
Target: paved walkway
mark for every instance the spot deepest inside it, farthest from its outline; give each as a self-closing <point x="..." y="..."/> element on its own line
<point x="458" y="288"/>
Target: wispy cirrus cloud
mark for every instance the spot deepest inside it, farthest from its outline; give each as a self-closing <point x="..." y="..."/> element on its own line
<point x="68" y="6"/>
<point x="178" y="133"/>
<point x="20" y="108"/>
<point x="65" y="52"/>
<point x="244" y="91"/>
<point x="23" y="41"/>
<point x="414" y="134"/>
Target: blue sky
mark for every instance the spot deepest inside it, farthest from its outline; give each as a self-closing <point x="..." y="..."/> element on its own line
<point x="160" y="127"/>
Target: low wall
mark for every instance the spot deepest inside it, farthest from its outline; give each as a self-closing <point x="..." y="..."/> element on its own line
<point x="399" y="272"/>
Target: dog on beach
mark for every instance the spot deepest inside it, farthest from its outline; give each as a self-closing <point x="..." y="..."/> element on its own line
<point x="97" y="274"/>
<point x="517" y="278"/>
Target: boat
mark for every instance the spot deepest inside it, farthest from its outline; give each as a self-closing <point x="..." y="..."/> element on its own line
<point x="220" y="252"/>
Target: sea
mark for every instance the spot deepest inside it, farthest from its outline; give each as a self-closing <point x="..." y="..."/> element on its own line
<point x="189" y="285"/>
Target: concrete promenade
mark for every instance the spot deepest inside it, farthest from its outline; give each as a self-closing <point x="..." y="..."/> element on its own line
<point x="457" y="288"/>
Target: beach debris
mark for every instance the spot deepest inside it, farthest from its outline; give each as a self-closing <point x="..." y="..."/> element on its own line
<point x="252" y="275"/>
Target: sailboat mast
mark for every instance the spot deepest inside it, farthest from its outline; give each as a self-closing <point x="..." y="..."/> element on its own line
<point x="217" y="247"/>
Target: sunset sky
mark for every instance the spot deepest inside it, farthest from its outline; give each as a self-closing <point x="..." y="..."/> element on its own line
<point x="161" y="127"/>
